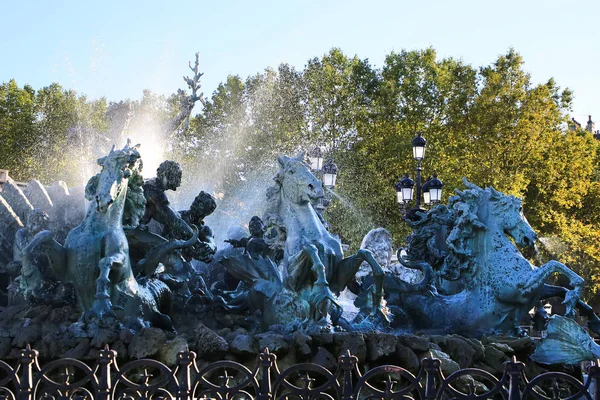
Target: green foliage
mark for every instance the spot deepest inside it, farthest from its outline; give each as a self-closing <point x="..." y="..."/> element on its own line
<point x="340" y="91"/>
<point x="17" y="128"/>
<point x="38" y="128"/>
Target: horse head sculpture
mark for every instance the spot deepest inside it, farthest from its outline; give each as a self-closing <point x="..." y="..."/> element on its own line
<point x="117" y="168"/>
<point x="507" y="213"/>
<point x="297" y="182"/>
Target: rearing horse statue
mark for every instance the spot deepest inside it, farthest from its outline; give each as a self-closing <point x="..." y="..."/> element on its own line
<point x="467" y="242"/>
<point x="313" y="263"/>
<point x="95" y="255"/>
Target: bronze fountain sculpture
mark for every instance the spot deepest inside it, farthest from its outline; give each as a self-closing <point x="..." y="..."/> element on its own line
<point x="476" y="281"/>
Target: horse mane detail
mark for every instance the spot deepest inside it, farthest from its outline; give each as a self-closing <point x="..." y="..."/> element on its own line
<point x="135" y="201"/>
<point x="444" y="235"/>
<point x="276" y="235"/>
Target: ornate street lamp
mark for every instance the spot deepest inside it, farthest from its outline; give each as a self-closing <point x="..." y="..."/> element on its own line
<point x="315" y="157"/>
<point x="329" y="174"/>
<point x="431" y="190"/>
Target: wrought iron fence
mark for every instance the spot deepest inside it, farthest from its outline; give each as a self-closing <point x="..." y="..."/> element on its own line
<point x="150" y="379"/>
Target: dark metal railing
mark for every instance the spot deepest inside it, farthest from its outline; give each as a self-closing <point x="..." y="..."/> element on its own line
<point x="150" y="379"/>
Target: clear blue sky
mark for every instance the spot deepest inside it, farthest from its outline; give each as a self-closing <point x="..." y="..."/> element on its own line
<point x="105" y="48"/>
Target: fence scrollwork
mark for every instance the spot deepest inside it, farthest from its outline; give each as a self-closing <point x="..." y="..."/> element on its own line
<point x="147" y="379"/>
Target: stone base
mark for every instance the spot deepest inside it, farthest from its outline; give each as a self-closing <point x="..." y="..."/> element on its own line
<point x="56" y="333"/>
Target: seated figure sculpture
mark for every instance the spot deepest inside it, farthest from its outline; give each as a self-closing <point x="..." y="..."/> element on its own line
<point x="254" y="245"/>
<point x="202" y="206"/>
<point x="175" y="225"/>
<point x="174" y="265"/>
<point x="256" y="248"/>
<point x="37" y="221"/>
<point x="33" y="277"/>
<point x="168" y="177"/>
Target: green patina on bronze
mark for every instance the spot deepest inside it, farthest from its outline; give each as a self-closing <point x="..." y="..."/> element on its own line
<point x="314" y="270"/>
<point x="478" y="282"/>
<point x="475" y="279"/>
<point x="95" y="255"/>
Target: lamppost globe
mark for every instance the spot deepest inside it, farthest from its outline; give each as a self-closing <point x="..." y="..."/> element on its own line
<point x="315" y="156"/>
<point x="404" y="189"/>
<point x="435" y="189"/>
<point x="426" y="194"/>
<point x="329" y="174"/>
<point x="418" y="145"/>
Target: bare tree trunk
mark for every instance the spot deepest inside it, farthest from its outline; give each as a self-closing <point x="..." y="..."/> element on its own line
<point x="189" y="101"/>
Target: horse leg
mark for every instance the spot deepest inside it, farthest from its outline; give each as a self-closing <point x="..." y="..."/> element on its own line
<point x="102" y="305"/>
<point x="312" y="253"/>
<point x="584" y="309"/>
<point x="115" y="258"/>
<point x="317" y="265"/>
<point x="538" y="276"/>
<point x="348" y="267"/>
<point x="321" y="297"/>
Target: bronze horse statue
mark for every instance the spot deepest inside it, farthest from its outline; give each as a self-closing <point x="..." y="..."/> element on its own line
<point x="314" y="265"/>
<point x="478" y="280"/>
<point x="95" y="255"/>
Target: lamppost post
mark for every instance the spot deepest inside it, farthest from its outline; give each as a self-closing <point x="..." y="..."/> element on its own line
<point x="419" y="187"/>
